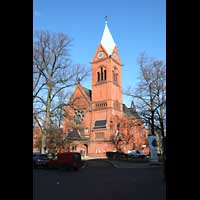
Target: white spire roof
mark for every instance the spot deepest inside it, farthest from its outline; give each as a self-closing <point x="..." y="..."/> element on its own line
<point x="107" y="40"/>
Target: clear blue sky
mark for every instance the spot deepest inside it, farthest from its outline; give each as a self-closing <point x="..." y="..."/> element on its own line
<point x="136" y="26"/>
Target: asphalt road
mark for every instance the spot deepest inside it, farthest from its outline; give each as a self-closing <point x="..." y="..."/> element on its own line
<point x="99" y="180"/>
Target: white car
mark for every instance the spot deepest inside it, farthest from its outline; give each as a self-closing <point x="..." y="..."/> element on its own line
<point x="136" y="153"/>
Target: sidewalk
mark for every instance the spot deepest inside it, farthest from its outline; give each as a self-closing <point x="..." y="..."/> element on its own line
<point x="91" y="158"/>
<point x="125" y="164"/>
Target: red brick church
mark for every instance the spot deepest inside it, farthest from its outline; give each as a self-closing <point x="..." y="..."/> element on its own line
<point x="97" y="121"/>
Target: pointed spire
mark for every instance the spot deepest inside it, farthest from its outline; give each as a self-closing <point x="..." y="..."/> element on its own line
<point x="133" y="109"/>
<point x="132" y="104"/>
<point x="107" y="40"/>
<point x="78" y="80"/>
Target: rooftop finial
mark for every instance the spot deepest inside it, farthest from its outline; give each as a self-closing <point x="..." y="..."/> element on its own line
<point x="78" y="80"/>
<point x="106" y="19"/>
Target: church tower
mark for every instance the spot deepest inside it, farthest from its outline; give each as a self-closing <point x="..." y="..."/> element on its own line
<point x="96" y="120"/>
<point x="106" y="87"/>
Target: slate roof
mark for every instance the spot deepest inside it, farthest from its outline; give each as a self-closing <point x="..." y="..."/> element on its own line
<point x="88" y="92"/>
<point x="73" y="134"/>
<point x="107" y="40"/>
<point x="130" y="112"/>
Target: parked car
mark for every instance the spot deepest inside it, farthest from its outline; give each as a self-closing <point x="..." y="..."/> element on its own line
<point x="51" y="155"/>
<point x="35" y="154"/>
<point x="66" y="160"/>
<point x="40" y="160"/>
<point x="136" y="154"/>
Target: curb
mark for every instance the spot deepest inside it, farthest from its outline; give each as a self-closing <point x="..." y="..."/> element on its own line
<point x="147" y="165"/>
<point x="114" y="165"/>
<point x="84" y="165"/>
<point x="156" y="164"/>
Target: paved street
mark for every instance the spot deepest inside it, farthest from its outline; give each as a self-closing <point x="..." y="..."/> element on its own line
<point x="100" y="179"/>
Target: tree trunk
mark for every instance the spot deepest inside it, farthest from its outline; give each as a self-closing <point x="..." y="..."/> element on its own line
<point x="162" y="131"/>
<point x="152" y="109"/>
<point x="47" y="121"/>
<point x="152" y="124"/>
<point x="43" y="146"/>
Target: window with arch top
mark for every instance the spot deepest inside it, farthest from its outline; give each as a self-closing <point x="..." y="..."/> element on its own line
<point x="115" y="75"/>
<point x="101" y="74"/>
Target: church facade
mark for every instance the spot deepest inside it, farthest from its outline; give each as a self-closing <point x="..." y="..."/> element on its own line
<point x="96" y="121"/>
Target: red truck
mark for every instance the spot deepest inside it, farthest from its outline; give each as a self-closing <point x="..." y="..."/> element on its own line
<point x="66" y="160"/>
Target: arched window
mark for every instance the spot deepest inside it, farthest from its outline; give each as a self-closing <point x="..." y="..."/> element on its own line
<point x="104" y="74"/>
<point x="101" y="74"/>
<point x="115" y="75"/>
<point x="98" y="76"/>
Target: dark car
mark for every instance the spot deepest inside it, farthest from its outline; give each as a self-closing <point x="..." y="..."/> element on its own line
<point x="136" y="154"/>
<point x="66" y="160"/>
<point x="40" y="160"/>
<point x="35" y="154"/>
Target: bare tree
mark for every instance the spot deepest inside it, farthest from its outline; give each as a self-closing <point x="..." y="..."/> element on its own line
<point x="53" y="73"/>
<point x="150" y="94"/>
<point x="58" y="110"/>
<point x="129" y="133"/>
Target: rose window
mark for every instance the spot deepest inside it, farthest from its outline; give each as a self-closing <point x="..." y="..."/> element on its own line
<point x="78" y="117"/>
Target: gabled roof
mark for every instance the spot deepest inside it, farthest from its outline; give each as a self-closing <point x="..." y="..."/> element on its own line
<point x="73" y="134"/>
<point x="86" y="93"/>
<point x="130" y="112"/>
<point x="107" y="40"/>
